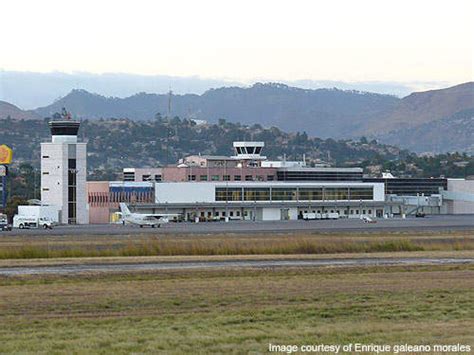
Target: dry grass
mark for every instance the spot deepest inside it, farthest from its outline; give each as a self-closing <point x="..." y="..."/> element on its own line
<point x="236" y="245"/>
<point x="236" y="311"/>
<point x="191" y="258"/>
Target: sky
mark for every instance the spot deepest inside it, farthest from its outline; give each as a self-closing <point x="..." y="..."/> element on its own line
<point x="339" y="40"/>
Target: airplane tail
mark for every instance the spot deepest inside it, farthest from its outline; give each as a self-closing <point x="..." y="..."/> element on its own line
<point x="124" y="209"/>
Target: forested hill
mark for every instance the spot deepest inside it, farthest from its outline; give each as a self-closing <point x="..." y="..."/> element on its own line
<point x="114" y="144"/>
<point x="322" y="112"/>
<point x="453" y="133"/>
<point x="325" y="113"/>
<point x="118" y="143"/>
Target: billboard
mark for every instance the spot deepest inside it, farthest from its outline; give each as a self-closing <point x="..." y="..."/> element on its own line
<point x="6" y="154"/>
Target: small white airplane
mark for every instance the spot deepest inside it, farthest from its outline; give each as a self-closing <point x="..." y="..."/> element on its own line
<point x="144" y="219"/>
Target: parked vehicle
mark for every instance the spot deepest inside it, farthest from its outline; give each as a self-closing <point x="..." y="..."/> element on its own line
<point x="26" y="222"/>
<point x="313" y="216"/>
<point x="4" y="225"/>
<point x="367" y="219"/>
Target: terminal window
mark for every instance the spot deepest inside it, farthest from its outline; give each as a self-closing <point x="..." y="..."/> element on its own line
<point x="237" y="178"/>
<point x="257" y="194"/>
<point x="228" y="194"/>
<point x="361" y="193"/>
<point x="336" y="193"/>
<point x="215" y="177"/>
<point x="129" y="176"/>
<point x="203" y="178"/>
<point x="226" y="178"/>
<point x="310" y="194"/>
<point x="284" y="194"/>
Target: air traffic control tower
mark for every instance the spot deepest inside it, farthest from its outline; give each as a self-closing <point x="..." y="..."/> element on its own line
<point x="63" y="172"/>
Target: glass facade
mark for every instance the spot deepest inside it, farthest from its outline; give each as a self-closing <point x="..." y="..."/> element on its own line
<point x="338" y="193"/>
<point x="257" y="194"/>
<point x="72" y="191"/>
<point x="310" y="194"/>
<point x="284" y="194"/>
<point x="228" y="194"/>
<point x="361" y="193"/>
<point x="294" y="194"/>
<point x="323" y="175"/>
<point x="412" y="186"/>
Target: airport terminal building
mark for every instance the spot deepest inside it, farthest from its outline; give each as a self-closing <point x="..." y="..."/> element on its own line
<point x="247" y="186"/>
<point x="266" y="200"/>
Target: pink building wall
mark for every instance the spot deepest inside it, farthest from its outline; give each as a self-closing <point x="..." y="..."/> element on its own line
<point x="98" y="199"/>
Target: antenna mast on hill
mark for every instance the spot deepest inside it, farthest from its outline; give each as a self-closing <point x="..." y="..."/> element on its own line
<point x="170" y="94"/>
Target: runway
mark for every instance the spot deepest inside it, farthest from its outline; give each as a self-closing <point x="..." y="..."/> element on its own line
<point x="429" y="223"/>
<point x="71" y="269"/>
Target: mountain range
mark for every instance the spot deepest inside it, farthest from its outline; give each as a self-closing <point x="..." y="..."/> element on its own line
<point x="32" y="89"/>
<point x="323" y="112"/>
<point x="9" y="110"/>
<point x="422" y="121"/>
<point x="456" y="130"/>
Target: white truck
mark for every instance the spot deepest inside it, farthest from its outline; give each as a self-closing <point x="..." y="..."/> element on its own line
<point x="24" y="222"/>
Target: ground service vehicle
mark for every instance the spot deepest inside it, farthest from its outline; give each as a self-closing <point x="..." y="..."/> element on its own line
<point x="312" y="216"/>
<point x="367" y="219"/>
<point x="23" y="222"/>
<point x="4" y="226"/>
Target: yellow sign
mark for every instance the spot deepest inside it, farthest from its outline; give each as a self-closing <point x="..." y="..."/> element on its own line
<point x="6" y="154"/>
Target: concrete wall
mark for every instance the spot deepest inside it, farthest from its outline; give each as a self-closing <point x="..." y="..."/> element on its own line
<point x="152" y="172"/>
<point x="54" y="177"/>
<point x="81" y="176"/>
<point x="176" y="192"/>
<point x="271" y="214"/>
<point x="460" y="186"/>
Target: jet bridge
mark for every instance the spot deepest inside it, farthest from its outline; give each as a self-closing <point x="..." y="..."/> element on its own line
<point x="410" y="205"/>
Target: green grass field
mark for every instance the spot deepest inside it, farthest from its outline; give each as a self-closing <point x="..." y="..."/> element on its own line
<point x="236" y="311"/>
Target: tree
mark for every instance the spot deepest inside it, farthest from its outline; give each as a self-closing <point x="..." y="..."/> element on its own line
<point x="12" y="206"/>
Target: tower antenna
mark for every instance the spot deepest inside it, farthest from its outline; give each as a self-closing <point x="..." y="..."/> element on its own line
<point x="170" y="94"/>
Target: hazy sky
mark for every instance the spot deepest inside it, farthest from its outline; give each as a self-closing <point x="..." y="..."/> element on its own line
<point x="244" y="40"/>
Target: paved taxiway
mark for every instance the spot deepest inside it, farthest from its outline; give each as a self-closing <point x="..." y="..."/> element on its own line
<point x="430" y="223"/>
<point x="163" y="266"/>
